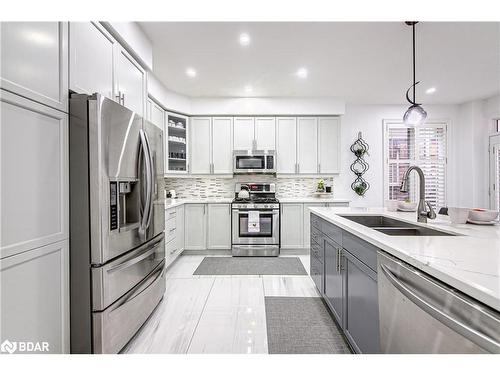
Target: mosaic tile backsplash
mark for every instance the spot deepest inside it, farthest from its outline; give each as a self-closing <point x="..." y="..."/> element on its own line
<point x="213" y="187"/>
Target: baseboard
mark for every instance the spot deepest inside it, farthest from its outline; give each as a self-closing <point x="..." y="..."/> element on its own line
<point x="294" y="251"/>
<point x="206" y="252"/>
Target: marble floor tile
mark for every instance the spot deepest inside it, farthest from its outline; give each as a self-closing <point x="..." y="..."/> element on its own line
<point x="236" y="291"/>
<point x="184" y="266"/>
<point x="289" y="286"/>
<point x="231" y="330"/>
<point x="171" y="327"/>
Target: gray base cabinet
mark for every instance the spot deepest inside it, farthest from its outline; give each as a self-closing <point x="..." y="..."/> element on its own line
<point x="343" y="270"/>
<point x="333" y="279"/>
<point x="361" y="305"/>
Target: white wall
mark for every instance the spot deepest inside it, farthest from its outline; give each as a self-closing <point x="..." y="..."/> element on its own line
<point x="241" y="106"/>
<point x="471" y="164"/>
<point x="368" y="119"/>
<point x="168" y="99"/>
<point x="267" y="106"/>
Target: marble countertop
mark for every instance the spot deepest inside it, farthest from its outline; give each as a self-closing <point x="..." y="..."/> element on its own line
<point x="171" y="203"/>
<point x="469" y="262"/>
<point x="313" y="200"/>
<point x="178" y="202"/>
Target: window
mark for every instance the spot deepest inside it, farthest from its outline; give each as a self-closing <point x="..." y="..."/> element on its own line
<point x="423" y="146"/>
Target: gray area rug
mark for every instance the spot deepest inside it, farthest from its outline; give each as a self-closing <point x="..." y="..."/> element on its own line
<point x="302" y="325"/>
<point x="250" y="266"/>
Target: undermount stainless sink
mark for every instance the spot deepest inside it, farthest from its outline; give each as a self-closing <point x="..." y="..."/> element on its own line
<point x="393" y="227"/>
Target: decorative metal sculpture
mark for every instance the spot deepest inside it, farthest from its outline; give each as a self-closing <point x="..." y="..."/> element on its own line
<point x="360" y="148"/>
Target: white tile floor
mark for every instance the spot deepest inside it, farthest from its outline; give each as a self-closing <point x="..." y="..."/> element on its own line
<point x="214" y="314"/>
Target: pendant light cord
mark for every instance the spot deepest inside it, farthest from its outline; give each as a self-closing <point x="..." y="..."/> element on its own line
<point x="414" y="76"/>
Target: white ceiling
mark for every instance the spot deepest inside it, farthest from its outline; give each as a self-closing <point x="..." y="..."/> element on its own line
<point x="359" y="62"/>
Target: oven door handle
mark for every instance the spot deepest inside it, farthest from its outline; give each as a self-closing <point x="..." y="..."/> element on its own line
<point x="265" y="210"/>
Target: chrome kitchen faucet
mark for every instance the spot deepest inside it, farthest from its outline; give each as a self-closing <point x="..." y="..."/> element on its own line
<point x="422" y="213"/>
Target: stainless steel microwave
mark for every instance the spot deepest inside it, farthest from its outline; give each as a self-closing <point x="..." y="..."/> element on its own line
<point x="254" y="161"/>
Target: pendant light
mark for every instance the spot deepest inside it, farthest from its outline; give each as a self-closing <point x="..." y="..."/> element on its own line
<point x="415" y="115"/>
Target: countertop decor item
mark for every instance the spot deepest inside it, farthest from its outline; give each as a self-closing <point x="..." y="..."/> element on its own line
<point x="415" y="115"/>
<point x="321" y="186"/>
<point x="359" y="167"/>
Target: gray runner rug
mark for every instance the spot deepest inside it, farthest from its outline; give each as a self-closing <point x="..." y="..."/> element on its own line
<point x="302" y="325"/>
<point x="250" y="266"/>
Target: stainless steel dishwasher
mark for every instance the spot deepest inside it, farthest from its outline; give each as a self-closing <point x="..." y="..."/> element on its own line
<point x="419" y="314"/>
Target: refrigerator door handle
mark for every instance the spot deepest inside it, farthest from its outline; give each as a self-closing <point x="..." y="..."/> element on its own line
<point x="147" y="205"/>
<point x="151" y="180"/>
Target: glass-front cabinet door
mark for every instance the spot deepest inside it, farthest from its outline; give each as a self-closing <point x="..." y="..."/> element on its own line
<point x="176" y="143"/>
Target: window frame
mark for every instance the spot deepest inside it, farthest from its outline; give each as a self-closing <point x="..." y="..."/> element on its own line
<point x="386" y="123"/>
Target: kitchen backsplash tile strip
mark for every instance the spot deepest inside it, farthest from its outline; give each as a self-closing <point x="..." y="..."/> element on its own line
<point x="213" y="187"/>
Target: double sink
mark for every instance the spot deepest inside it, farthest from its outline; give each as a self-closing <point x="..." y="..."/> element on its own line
<point x="393" y="227"/>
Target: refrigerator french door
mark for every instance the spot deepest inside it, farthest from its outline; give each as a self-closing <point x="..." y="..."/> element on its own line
<point x="116" y="223"/>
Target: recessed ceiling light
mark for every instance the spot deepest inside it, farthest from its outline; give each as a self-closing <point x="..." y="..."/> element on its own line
<point x="302" y="73"/>
<point x="190" y="72"/>
<point x="430" y="90"/>
<point x="248" y="89"/>
<point x="244" y="39"/>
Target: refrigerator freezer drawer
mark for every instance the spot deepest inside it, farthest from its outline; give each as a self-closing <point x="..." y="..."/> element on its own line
<point x="116" y="325"/>
<point x="114" y="279"/>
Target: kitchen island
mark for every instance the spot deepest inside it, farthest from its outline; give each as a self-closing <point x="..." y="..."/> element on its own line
<point x="344" y="252"/>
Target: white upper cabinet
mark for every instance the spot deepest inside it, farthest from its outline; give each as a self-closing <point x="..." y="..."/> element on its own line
<point x="286" y="149"/>
<point x="130" y="82"/>
<point x="307" y="151"/>
<point x="222" y="148"/>
<point x="265" y="133"/>
<point x="156" y="114"/>
<point x="34" y="61"/>
<point x="328" y="145"/>
<point x="91" y="59"/>
<point x="244" y="134"/>
<point x="199" y="131"/>
<point x="34" y="174"/>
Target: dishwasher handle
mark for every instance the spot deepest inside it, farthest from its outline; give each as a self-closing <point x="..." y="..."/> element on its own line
<point x="475" y="336"/>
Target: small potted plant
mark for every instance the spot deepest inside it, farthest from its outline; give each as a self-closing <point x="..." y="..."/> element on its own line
<point x="321" y="186"/>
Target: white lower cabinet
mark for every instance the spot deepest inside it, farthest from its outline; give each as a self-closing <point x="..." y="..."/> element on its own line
<point x="195" y="226"/>
<point x="292" y="218"/>
<point x="174" y="233"/>
<point x="34" y="290"/>
<point x="219" y="226"/>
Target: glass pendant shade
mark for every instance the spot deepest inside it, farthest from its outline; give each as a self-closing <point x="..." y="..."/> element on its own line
<point x="415" y="115"/>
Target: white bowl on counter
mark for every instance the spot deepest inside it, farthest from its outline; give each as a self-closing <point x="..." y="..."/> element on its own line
<point x="458" y="215"/>
<point x="407" y="206"/>
<point x="482" y="215"/>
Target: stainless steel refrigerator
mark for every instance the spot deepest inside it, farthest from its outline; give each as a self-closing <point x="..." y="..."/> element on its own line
<point x="117" y="249"/>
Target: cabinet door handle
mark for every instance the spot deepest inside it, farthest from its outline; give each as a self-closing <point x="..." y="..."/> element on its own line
<point x="319" y="168"/>
<point x="298" y="167"/>
<point x="123" y="98"/>
<point x="339" y="259"/>
<point x="119" y="97"/>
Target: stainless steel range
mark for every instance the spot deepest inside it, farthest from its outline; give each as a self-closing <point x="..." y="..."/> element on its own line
<point x="255" y="220"/>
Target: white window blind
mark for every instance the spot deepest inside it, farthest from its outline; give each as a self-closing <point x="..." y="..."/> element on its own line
<point x="423" y="146"/>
